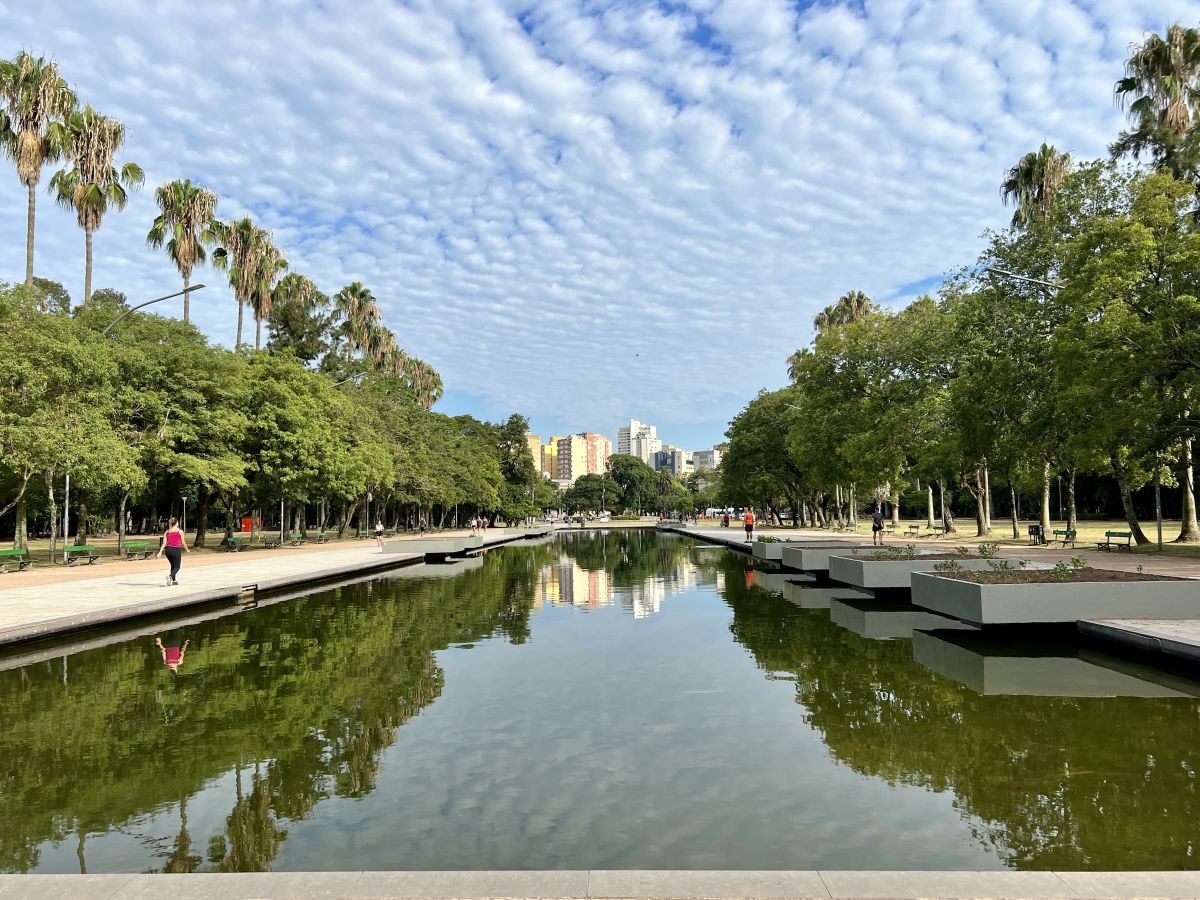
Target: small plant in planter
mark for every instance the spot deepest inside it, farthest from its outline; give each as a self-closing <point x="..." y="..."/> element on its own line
<point x="1067" y="571"/>
<point x="989" y="550"/>
<point x="770" y="539"/>
<point x="948" y="566"/>
<point x="908" y="551"/>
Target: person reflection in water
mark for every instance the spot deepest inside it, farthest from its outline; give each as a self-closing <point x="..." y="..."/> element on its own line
<point x="173" y="650"/>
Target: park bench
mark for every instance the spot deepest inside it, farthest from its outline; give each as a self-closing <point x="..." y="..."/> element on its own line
<point x="235" y="543"/>
<point x="270" y="543"/>
<point x="937" y="530"/>
<point x="390" y="532"/>
<point x="1037" y="537"/>
<point x="323" y="537"/>
<point x="20" y="557"/>
<point x="1115" y="540"/>
<point x="77" y="552"/>
<point x="296" y="539"/>
<point x="913" y="530"/>
<point x="1064" y="536"/>
<point x="136" y="549"/>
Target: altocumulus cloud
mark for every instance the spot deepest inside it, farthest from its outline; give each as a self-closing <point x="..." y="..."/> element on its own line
<point x="574" y="208"/>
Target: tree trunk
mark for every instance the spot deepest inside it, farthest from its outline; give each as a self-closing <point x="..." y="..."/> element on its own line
<point x="21" y="532"/>
<point x="1012" y="496"/>
<point x="348" y="513"/>
<point x="257" y="332"/>
<point x="977" y="495"/>
<point x="187" y="303"/>
<point x="894" y="499"/>
<point x="947" y="514"/>
<point x="1045" y="519"/>
<point x="1189" y="530"/>
<point x="853" y="506"/>
<point x="987" y="497"/>
<point x="237" y="342"/>
<point x="1122" y="475"/>
<point x="81" y="524"/>
<point x="929" y="498"/>
<point x="203" y="504"/>
<point x="121" y="523"/>
<point x="53" y="513"/>
<point x="87" y="265"/>
<point x="1071" y="520"/>
<point x="30" y="217"/>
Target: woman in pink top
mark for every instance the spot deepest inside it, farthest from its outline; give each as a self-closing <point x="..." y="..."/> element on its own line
<point x="174" y="545"/>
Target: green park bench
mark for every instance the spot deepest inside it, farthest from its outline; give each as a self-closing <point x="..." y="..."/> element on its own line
<point x="138" y="549"/>
<point x="235" y="543"/>
<point x="20" y="557"/>
<point x="323" y="537"/>
<point x="1115" y="540"/>
<point x="390" y="532"/>
<point x="270" y="543"/>
<point x="296" y="539"/>
<point x="1064" y="536"/>
<point x="937" y="530"/>
<point x="77" y="552"/>
<point x="914" y="530"/>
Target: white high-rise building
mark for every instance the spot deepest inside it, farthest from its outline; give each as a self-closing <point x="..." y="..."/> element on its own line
<point x="628" y="434"/>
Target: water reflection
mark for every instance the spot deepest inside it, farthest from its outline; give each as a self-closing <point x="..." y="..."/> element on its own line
<point x="327" y="731"/>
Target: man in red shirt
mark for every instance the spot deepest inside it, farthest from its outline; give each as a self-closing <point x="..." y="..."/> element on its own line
<point x="748" y="521"/>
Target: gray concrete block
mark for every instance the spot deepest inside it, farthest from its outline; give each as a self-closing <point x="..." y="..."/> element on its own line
<point x="689" y="883"/>
<point x="945" y="884"/>
<point x="554" y="883"/>
<point x="1132" y="884"/>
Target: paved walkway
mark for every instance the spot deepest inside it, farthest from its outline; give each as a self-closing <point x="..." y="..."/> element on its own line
<point x="581" y="884"/>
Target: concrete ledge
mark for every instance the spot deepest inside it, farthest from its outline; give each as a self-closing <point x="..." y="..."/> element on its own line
<point x="1148" y="637"/>
<point x="815" y="558"/>
<point x="65" y="624"/>
<point x="598" y="883"/>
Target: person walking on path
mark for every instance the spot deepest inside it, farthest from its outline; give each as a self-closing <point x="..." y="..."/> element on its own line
<point x="174" y="545"/>
<point x="379" y="533"/>
<point x="877" y="526"/>
<point x="748" y="521"/>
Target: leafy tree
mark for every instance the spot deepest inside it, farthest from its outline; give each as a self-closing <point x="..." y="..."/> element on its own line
<point x="35" y="99"/>
<point x="183" y="225"/>
<point x="93" y="184"/>
<point x="300" y="319"/>
<point x="636" y="480"/>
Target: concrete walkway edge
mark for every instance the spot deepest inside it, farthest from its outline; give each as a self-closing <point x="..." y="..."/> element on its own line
<point x="600" y="883"/>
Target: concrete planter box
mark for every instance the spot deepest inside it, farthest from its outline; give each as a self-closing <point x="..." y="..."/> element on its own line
<point x="819" y="595"/>
<point x="897" y="573"/>
<point x="815" y="557"/>
<point x="1070" y="601"/>
<point x="768" y="550"/>
<point x="431" y="546"/>
<point x="878" y="621"/>
<point x="1004" y="669"/>
<point x="775" y="582"/>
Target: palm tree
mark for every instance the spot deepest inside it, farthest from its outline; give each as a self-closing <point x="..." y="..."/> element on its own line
<point x="36" y="97"/>
<point x="1031" y="184"/>
<point x="1161" y="91"/>
<point x="93" y="184"/>
<point x="271" y="265"/>
<point x="424" y="382"/>
<point x="356" y="312"/>
<point x="850" y="307"/>
<point x="252" y="261"/>
<point x="185" y="214"/>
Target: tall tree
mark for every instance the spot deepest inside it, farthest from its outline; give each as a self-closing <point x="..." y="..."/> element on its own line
<point x="244" y="251"/>
<point x="93" y="184"/>
<point x="1031" y="184"/>
<point x="850" y="307"/>
<point x="357" y="314"/>
<point x="35" y="97"/>
<point x="271" y="265"/>
<point x="1161" y="92"/>
<point x="299" y="319"/>
<point x="183" y="225"/>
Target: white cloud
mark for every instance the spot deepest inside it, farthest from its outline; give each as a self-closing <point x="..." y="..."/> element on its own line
<point x="538" y="190"/>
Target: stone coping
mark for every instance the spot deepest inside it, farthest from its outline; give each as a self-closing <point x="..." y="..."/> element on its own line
<point x="598" y="883"/>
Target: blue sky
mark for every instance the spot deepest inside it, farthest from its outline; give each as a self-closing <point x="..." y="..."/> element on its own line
<point x="583" y="211"/>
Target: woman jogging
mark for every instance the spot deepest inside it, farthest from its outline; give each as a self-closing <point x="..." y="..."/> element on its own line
<point x="174" y="545"/>
<point x="379" y="533"/>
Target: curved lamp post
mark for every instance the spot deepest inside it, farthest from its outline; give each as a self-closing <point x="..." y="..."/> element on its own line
<point x="194" y="287"/>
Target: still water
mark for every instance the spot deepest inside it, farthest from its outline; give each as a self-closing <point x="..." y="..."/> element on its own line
<point x="599" y="701"/>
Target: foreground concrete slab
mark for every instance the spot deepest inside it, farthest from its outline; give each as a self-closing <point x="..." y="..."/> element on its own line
<point x="1177" y="638"/>
<point x="878" y="620"/>
<point x="581" y="884"/>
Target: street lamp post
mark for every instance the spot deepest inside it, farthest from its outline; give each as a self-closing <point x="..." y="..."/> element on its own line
<point x="184" y="514"/>
<point x="194" y="287"/>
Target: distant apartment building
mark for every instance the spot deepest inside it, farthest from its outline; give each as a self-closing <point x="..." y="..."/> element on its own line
<point x="628" y="436"/>
<point x="707" y="459"/>
<point x="548" y="457"/>
<point x="585" y="453"/>
<point x="676" y="461"/>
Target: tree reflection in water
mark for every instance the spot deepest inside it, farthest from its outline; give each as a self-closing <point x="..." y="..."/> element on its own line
<point x="1059" y="782"/>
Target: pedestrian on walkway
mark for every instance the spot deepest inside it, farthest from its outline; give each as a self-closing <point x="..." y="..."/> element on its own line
<point x="174" y="545"/>
<point x="379" y="533"/>
<point x="748" y="521"/>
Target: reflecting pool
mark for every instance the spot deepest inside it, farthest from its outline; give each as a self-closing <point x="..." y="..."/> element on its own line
<point x="620" y="700"/>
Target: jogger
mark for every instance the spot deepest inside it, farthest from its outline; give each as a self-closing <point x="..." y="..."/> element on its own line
<point x="174" y="545"/>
